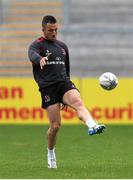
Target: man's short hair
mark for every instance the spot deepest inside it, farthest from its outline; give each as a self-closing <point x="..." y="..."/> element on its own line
<point x="48" y="19"/>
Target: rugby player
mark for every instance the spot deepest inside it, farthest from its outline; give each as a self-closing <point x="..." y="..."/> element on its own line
<point x="51" y="70"/>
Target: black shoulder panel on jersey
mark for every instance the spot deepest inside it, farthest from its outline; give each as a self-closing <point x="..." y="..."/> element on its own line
<point x="67" y="64"/>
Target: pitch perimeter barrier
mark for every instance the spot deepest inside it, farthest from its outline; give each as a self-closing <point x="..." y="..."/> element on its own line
<point x="20" y="102"/>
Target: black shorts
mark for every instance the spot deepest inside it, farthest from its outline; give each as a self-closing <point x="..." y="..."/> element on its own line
<point x="54" y="93"/>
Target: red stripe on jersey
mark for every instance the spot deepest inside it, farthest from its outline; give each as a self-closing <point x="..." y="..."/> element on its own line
<point x="40" y="39"/>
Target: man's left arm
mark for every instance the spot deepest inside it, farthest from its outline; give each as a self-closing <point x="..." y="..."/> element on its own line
<point x="67" y="63"/>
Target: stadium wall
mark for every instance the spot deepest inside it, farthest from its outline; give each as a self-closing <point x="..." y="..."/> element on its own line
<point x="20" y="102"/>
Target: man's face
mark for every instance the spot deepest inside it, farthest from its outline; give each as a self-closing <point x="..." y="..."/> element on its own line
<point x="50" y="31"/>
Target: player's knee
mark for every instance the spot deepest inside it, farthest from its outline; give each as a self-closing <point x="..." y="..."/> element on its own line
<point x="56" y="127"/>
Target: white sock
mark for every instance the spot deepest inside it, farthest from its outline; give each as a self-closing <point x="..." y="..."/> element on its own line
<point x="91" y="123"/>
<point x="51" y="153"/>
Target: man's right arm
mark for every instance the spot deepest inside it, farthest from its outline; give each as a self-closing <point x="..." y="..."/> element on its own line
<point x="34" y="53"/>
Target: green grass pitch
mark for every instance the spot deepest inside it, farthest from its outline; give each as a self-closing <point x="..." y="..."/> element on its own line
<point x="109" y="155"/>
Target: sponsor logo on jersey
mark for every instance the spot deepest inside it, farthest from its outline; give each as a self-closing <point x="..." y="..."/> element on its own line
<point x="58" y="58"/>
<point x="54" y="62"/>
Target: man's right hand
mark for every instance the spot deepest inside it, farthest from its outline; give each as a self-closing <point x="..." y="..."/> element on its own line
<point x="43" y="62"/>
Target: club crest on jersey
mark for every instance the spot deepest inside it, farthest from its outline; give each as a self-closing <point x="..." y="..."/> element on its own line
<point x="47" y="52"/>
<point x="46" y="98"/>
<point x="63" y="51"/>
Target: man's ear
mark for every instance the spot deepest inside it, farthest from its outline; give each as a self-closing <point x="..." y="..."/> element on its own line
<point x="43" y="28"/>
